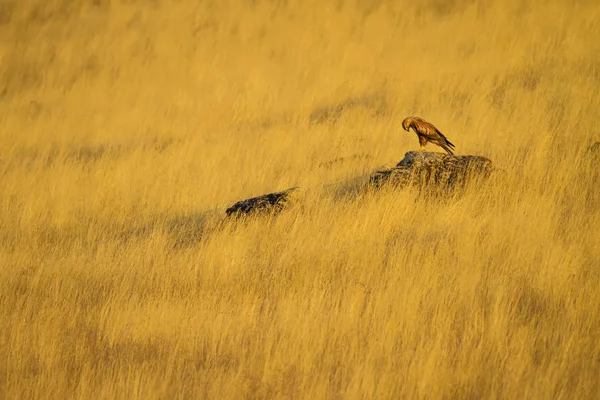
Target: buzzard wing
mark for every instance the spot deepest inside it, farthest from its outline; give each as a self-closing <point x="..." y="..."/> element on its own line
<point x="428" y="130"/>
<point x="444" y="138"/>
<point x="434" y="135"/>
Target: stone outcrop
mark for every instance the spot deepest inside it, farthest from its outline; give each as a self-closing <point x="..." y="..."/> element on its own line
<point x="433" y="170"/>
<point x="271" y="203"/>
<point x="436" y="172"/>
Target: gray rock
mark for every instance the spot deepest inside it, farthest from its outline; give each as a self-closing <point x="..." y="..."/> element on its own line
<point x="434" y="170"/>
<point x="268" y="203"/>
<point x="421" y="169"/>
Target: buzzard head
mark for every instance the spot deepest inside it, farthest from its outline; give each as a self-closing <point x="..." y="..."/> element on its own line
<point x="406" y="124"/>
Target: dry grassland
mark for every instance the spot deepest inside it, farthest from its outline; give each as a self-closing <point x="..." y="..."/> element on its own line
<point x="128" y="126"/>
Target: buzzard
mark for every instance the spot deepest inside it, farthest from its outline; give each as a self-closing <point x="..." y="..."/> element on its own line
<point x="427" y="133"/>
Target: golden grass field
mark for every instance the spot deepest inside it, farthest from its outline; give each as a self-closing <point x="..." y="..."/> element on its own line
<point x="127" y="127"/>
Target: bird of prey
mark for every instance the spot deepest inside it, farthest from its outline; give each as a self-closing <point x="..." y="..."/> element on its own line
<point x="427" y="133"/>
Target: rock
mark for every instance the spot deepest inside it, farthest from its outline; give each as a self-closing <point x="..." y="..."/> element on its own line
<point x="421" y="169"/>
<point x="428" y="169"/>
<point x="267" y="203"/>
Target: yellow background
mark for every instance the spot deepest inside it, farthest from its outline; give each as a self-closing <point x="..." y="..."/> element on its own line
<point x="128" y="126"/>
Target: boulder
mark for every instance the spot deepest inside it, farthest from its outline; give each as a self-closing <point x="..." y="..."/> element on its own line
<point x="271" y="203"/>
<point x="433" y="170"/>
<point x="421" y="169"/>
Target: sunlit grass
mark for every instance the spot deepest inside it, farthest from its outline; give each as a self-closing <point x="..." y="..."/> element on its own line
<point x="128" y="127"/>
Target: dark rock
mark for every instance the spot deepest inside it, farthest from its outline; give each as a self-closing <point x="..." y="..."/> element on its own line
<point x="433" y="170"/>
<point x="267" y="203"/>
<point x="421" y="169"/>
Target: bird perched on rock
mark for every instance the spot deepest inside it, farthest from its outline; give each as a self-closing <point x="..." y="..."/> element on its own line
<point x="427" y="133"/>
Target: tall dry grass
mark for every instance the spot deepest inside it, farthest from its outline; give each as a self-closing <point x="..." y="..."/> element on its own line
<point x="127" y="127"/>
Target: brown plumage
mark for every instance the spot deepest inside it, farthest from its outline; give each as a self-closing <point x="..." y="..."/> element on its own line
<point x="427" y="133"/>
